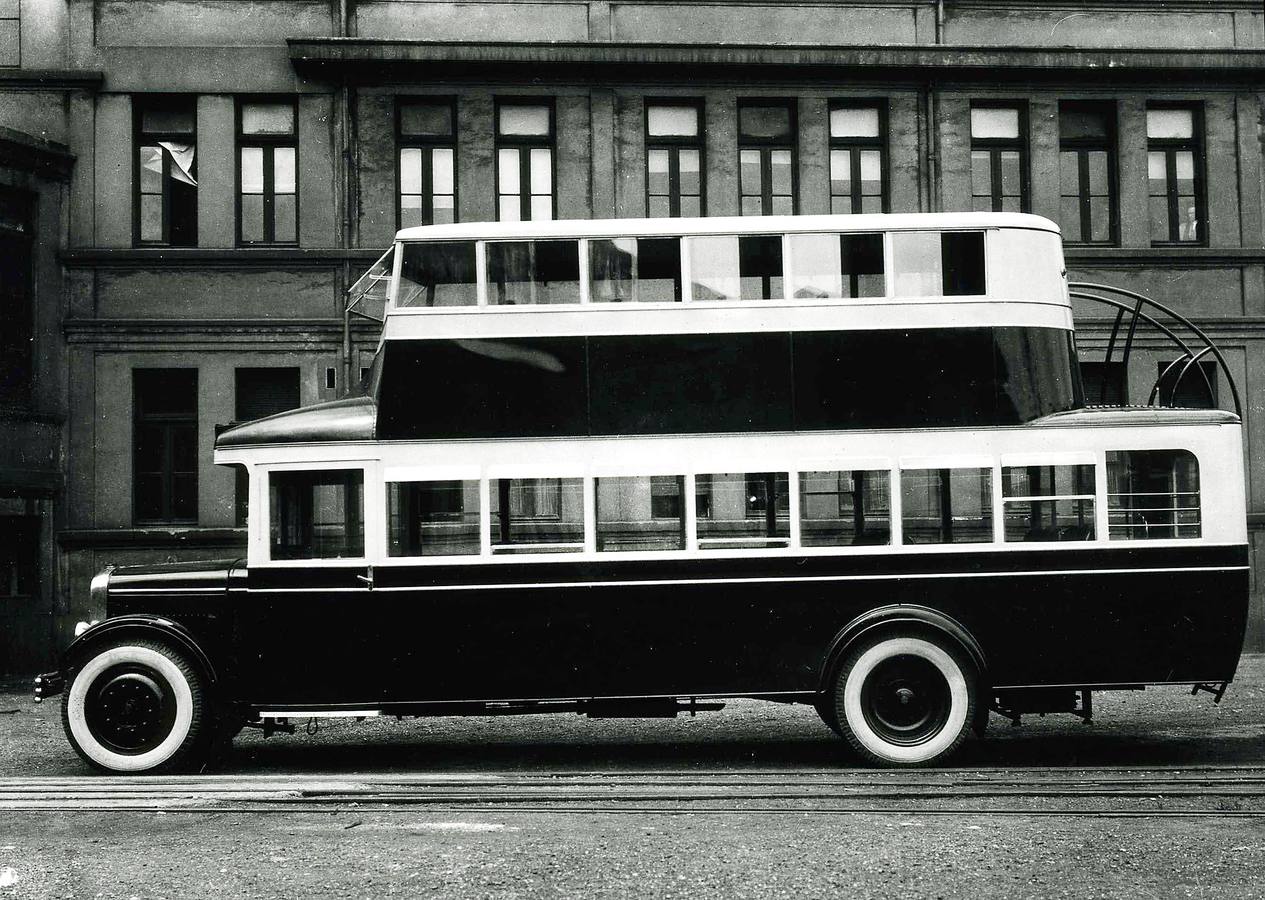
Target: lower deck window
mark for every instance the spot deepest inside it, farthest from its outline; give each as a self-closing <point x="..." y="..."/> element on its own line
<point x="433" y="518"/>
<point x="640" y="513"/>
<point x="317" y="514"/>
<point x="537" y="515"/>
<point x="1048" y="503"/>
<point x="1152" y="494"/>
<point x="839" y="509"/>
<point x="946" y="506"/>
<point x="743" y="510"/>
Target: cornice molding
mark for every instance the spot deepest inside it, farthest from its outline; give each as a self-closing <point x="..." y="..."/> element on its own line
<point x="376" y="59"/>
<point x="51" y="79"/>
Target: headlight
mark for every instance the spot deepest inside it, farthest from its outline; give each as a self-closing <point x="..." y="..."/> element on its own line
<point x="100" y="588"/>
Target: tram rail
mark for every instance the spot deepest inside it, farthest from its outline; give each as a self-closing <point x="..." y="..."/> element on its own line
<point x="1233" y="791"/>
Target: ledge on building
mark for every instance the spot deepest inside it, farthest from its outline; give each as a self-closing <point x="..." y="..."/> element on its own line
<point x="225" y="257"/>
<point x="154" y="537"/>
<point x="46" y="158"/>
<point x="372" y="59"/>
<point x="51" y="79"/>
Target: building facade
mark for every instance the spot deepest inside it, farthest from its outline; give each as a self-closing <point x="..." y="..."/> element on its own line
<point x="188" y="187"/>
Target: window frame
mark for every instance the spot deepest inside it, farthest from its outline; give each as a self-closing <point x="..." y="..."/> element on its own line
<point x="674" y="145"/>
<point x="140" y="138"/>
<point x="269" y="143"/>
<point x="525" y="143"/>
<point x="766" y="146"/>
<point x="854" y="146"/>
<point x="994" y="148"/>
<point x="425" y="143"/>
<point x="1082" y="147"/>
<point x="1170" y="147"/>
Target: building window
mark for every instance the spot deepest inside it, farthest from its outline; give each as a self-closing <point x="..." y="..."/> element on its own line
<point x="165" y="445"/>
<point x="674" y="158"/>
<point x="1088" y="210"/>
<point x="1174" y="162"/>
<point x="857" y="169"/>
<point x="166" y="171"/>
<point x="1183" y="384"/>
<point x="766" y="157"/>
<point x="260" y="392"/>
<point x="524" y="161"/>
<point x="1106" y="383"/>
<point x="267" y="207"/>
<point x="426" y="135"/>
<point x="16" y="311"/>
<point x="999" y="159"/>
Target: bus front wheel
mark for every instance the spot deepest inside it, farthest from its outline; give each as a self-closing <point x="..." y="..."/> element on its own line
<point x="905" y="699"/>
<point x="137" y="707"/>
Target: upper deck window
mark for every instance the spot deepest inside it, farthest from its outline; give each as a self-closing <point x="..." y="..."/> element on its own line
<point x="638" y="270"/>
<point x="527" y="272"/>
<point x="439" y="274"/>
<point x="317" y="514"/>
<point x="837" y="265"/>
<point x="747" y="267"/>
<point x="930" y="263"/>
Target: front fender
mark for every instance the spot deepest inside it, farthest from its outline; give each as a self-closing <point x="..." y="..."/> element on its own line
<point x="137" y="625"/>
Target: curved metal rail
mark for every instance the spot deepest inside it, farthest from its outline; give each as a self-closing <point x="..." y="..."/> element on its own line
<point x="1138" y="312"/>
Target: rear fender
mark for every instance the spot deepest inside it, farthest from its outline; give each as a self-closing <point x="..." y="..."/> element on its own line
<point x="896" y="617"/>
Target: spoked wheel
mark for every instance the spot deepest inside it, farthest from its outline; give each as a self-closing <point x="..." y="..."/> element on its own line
<point x="137" y="707"/>
<point x="905" y="700"/>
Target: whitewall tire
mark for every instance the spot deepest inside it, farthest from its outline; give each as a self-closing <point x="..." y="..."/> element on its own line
<point x="137" y="707"/>
<point x="905" y="699"/>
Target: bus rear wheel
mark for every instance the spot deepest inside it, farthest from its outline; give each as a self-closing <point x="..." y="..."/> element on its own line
<point x="905" y="699"/>
<point x="137" y="707"/>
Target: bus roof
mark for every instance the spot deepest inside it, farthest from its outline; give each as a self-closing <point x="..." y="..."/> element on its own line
<point x="636" y="227"/>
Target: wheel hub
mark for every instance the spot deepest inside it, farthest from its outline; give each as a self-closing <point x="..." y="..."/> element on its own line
<point x="130" y="709"/>
<point x="906" y="699"/>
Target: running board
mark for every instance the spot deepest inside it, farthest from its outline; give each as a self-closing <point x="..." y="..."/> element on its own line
<point x="632" y="708"/>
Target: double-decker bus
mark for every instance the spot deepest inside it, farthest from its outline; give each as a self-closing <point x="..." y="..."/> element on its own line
<point x="631" y="467"/>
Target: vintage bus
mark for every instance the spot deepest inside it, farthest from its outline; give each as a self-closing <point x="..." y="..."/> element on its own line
<point x="631" y="467"/>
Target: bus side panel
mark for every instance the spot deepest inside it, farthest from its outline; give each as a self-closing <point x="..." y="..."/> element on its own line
<point x="740" y="625"/>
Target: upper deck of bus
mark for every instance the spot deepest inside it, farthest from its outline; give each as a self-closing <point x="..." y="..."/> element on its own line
<point x="724" y="274"/>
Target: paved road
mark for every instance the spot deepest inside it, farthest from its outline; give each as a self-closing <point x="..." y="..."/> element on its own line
<point x="1159" y="798"/>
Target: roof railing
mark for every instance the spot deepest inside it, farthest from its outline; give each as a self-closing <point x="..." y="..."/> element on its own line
<point x="1143" y="309"/>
